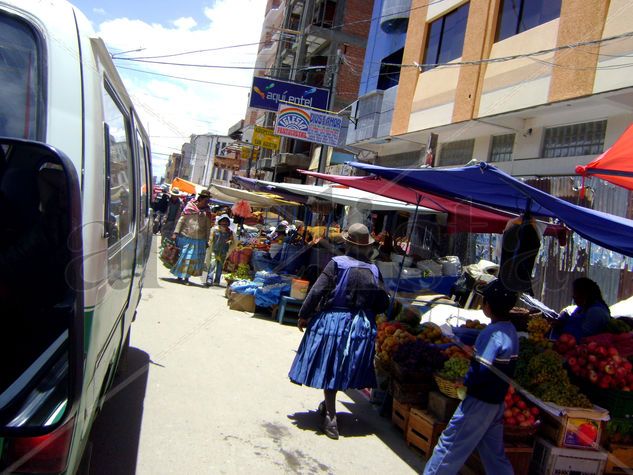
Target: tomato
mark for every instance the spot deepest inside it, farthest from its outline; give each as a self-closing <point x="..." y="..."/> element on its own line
<point x="587" y="433"/>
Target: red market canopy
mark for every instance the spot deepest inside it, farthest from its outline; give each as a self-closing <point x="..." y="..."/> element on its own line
<point x="614" y="165"/>
<point x="462" y="217"/>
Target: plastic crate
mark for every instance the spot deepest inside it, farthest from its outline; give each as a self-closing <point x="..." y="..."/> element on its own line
<point x="551" y="460"/>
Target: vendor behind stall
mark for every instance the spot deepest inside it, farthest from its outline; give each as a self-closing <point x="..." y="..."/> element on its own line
<point x="591" y="315"/>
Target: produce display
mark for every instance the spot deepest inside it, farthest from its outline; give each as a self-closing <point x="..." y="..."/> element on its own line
<point x="431" y="333"/>
<point x="538" y="327"/>
<point x="409" y="316"/>
<point x="517" y="412"/>
<point x="618" y="326"/>
<point x="620" y="431"/>
<point x="455" y="350"/>
<point x="542" y="373"/>
<point x="473" y="324"/>
<point x="243" y="272"/>
<point x="455" y="368"/>
<point x="601" y="365"/>
<point x="390" y="336"/>
<point x="418" y="356"/>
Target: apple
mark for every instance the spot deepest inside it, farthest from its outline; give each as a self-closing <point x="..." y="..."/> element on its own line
<point x="592" y="359"/>
<point x="507" y="413"/>
<point x="534" y="411"/>
<point x="609" y="369"/>
<point x="572" y="361"/>
<point x="511" y="421"/>
<point x="612" y="351"/>
<point x="520" y="418"/>
<point x="592" y="346"/>
<point x="521" y="405"/>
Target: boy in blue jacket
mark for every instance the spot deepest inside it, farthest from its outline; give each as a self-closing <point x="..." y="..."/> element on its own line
<point x="478" y="421"/>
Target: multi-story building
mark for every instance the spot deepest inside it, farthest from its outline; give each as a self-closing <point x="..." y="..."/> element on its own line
<point x="536" y="87"/>
<point x="173" y="164"/>
<point x="319" y="43"/>
<point x="196" y="163"/>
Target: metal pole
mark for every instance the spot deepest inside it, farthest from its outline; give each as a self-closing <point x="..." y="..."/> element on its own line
<point x="395" y="291"/>
<point x="331" y="89"/>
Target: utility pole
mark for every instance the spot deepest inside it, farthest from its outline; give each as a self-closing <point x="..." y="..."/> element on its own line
<point x="332" y="89"/>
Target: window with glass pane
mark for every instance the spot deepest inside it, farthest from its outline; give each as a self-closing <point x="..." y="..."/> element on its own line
<point x="517" y="16"/>
<point x="143" y="183"/>
<point x="575" y="140"/>
<point x="21" y="89"/>
<point x="120" y="194"/>
<point x="457" y="153"/>
<point x="445" y="39"/>
<point x="501" y="149"/>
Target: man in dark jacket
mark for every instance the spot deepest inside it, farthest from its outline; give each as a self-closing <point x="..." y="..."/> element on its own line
<point x="478" y="421"/>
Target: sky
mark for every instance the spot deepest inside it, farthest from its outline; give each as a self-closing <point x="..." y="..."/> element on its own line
<point x="172" y="109"/>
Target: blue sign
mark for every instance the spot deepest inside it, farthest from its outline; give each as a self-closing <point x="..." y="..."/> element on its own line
<point x="268" y="94"/>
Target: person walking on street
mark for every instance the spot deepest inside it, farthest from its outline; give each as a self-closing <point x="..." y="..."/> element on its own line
<point x="191" y="236"/>
<point x="478" y="421"/>
<point x="220" y="241"/>
<point x="172" y="214"/>
<point x="337" y="349"/>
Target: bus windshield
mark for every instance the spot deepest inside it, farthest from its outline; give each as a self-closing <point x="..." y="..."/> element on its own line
<point x="21" y="91"/>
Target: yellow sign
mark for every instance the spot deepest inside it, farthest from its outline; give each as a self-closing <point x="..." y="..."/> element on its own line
<point x="266" y="138"/>
<point x="246" y="152"/>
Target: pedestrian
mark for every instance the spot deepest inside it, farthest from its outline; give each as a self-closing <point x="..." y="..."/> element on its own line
<point x="191" y="236"/>
<point x="478" y="421"/>
<point x="172" y="213"/>
<point x="337" y="350"/>
<point x="219" y="242"/>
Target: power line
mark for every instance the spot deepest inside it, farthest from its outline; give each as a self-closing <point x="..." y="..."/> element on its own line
<point x="183" y="78"/>
<point x="183" y="53"/>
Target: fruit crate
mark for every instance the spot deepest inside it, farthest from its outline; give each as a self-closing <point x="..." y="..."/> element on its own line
<point x="574" y="427"/>
<point x="423" y="431"/>
<point x="620" y="460"/>
<point x="441" y="407"/>
<point x="405" y="375"/>
<point x="416" y="394"/>
<point x="551" y="460"/>
<point x="519" y="455"/>
<point x="400" y="415"/>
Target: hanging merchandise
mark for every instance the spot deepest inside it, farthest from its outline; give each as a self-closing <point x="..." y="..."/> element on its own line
<point x="242" y="209"/>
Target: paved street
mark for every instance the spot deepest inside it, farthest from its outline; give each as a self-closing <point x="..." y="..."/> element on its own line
<point x="206" y="391"/>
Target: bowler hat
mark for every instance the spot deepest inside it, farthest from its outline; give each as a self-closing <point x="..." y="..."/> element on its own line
<point x="175" y="191"/>
<point x="358" y="234"/>
<point x="204" y="194"/>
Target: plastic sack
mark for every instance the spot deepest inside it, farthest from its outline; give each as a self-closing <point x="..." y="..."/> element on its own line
<point x="247" y="287"/>
<point x="270" y="295"/>
<point x="268" y="278"/>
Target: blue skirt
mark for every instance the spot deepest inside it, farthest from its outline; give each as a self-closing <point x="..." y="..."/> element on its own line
<point x="191" y="257"/>
<point x="336" y="352"/>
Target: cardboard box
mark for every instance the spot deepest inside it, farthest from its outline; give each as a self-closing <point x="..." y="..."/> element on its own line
<point x="551" y="460"/>
<point x="574" y="428"/>
<point x="242" y="302"/>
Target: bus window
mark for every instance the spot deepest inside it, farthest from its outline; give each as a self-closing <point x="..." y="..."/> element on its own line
<point x="21" y="90"/>
<point x="144" y="192"/>
<point x="120" y="194"/>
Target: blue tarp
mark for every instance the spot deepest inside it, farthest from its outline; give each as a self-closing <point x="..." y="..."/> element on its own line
<point x="486" y="185"/>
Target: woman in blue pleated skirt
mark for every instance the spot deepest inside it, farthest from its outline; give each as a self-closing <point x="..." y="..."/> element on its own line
<point x="337" y="349"/>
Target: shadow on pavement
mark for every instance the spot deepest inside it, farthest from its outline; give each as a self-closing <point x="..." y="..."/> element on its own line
<point x="116" y="433"/>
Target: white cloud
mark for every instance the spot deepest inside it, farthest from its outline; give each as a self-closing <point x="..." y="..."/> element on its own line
<point x="172" y="109"/>
<point x="99" y="11"/>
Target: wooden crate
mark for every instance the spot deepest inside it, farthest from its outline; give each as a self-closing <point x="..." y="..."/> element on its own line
<point x="416" y="394"/>
<point x="400" y="415"/>
<point x="423" y="431"/>
<point x="441" y="407"/>
<point x="519" y="455"/>
<point x="620" y="460"/>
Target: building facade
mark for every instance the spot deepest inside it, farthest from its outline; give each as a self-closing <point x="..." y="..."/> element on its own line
<point x="319" y="43"/>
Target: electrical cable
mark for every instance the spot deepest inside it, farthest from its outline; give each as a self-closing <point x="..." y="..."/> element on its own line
<point x="184" y="78"/>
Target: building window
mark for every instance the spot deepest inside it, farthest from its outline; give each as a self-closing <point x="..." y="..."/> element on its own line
<point x="575" y="140"/>
<point x="501" y="149"/>
<point x="445" y="38"/>
<point x="517" y="16"/>
<point x="389" y="71"/>
<point x="457" y="153"/>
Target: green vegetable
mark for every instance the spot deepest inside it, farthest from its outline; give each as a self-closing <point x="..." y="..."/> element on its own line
<point x="455" y="368"/>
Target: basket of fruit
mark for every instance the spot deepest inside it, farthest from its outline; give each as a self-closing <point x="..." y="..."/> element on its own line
<point x="450" y="380"/>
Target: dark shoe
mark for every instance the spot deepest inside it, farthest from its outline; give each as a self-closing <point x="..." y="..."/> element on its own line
<point x="321" y="409"/>
<point x="330" y="427"/>
<point x="187" y="282"/>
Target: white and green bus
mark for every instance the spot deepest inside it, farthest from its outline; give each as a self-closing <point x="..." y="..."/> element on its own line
<point x="75" y="231"/>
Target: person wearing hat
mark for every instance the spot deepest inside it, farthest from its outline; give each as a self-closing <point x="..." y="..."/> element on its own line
<point x="172" y="214"/>
<point x="191" y="235"/>
<point x="219" y="243"/>
<point x="478" y="421"/>
<point x="337" y="349"/>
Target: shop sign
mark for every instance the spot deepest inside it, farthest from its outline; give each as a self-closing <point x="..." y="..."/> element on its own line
<point x="268" y="94"/>
<point x="309" y="125"/>
<point x="266" y="138"/>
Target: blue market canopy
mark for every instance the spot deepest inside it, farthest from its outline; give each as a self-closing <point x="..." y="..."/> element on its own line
<point x="486" y="185"/>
